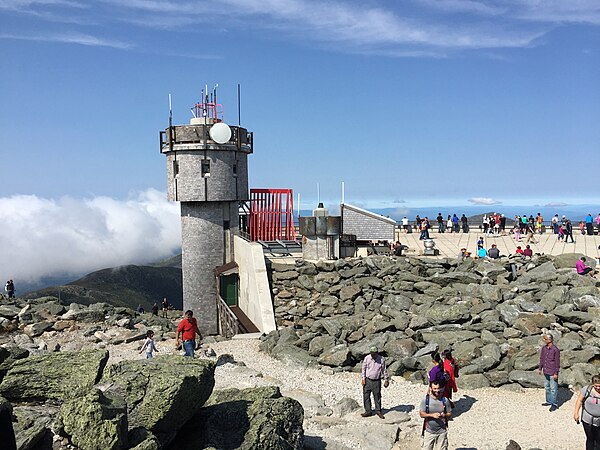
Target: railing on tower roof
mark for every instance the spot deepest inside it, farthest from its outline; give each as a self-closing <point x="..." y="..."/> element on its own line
<point x="271" y="215"/>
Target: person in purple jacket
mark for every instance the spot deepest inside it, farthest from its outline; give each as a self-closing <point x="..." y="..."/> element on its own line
<point x="549" y="367"/>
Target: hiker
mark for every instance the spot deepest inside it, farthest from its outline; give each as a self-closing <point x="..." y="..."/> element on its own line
<point x="435" y="410"/>
<point x="582" y="268"/>
<point x="155" y="309"/>
<point x="149" y="345"/>
<point x="437" y="372"/>
<point x="140" y="309"/>
<point x="165" y="307"/>
<point x="373" y="370"/>
<point x="589" y="403"/>
<point x="451" y="368"/>
<point x="188" y="329"/>
<point x="10" y="289"/>
<point x="550" y="366"/>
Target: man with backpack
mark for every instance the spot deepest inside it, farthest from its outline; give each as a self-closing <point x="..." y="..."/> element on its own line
<point x="435" y="410"/>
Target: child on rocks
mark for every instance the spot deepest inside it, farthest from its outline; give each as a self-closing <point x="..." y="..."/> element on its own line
<point x="149" y="345"/>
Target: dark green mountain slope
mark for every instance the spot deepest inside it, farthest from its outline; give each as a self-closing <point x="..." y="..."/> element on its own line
<point x="127" y="286"/>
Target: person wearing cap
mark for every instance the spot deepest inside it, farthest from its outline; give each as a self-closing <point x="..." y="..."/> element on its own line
<point x="373" y="370"/>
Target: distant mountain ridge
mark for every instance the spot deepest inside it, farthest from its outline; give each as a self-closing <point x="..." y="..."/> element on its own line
<point x="127" y="286"/>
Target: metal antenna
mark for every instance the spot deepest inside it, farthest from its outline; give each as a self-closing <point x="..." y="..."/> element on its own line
<point x="318" y="193"/>
<point x="240" y="115"/>
<point x="342" y="192"/>
<point x="170" y="112"/>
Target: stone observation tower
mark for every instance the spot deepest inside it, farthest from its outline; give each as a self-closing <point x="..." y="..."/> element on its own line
<point x="207" y="172"/>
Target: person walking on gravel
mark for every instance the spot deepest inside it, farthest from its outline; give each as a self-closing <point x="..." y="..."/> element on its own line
<point x="588" y="402"/>
<point x="373" y="370"/>
<point x="435" y="410"/>
<point x="187" y="330"/>
<point x="550" y="366"/>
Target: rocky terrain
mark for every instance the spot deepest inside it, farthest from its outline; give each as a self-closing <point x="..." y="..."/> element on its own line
<point x="491" y="313"/>
<point x="74" y="379"/>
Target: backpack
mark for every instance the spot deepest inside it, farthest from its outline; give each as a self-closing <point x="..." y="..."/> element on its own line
<point x="427" y="412"/>
<point x="587" y="395"/>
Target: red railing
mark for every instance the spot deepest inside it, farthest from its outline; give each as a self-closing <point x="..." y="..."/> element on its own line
<point x="271" y="215"/>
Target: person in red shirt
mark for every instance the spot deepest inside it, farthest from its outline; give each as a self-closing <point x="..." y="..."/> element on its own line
<point x="519" y="250"/>
<point x="188" y="329"/>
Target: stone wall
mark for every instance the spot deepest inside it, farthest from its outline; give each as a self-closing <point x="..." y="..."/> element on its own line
<point x="331" y="313"/>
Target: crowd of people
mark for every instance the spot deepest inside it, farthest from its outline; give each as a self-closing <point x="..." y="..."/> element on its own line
<point x="437" y="406"/>
<point x="496" y="224"/>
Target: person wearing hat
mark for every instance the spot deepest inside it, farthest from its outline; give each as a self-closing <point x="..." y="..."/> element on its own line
<point x="373" y="370"/>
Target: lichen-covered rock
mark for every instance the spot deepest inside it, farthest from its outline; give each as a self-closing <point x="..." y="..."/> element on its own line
<point x="52" y="375"/>
<point x="248" y="419"/>
<point x="95" y="421"/>
<point x="161" y="394"/>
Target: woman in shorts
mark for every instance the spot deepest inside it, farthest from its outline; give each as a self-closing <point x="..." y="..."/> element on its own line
<point x="589" y="404"/>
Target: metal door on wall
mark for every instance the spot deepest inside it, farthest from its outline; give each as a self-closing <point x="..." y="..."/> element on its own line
<point x="228" y="288"/>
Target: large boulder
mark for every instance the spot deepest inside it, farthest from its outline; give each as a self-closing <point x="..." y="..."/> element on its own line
<point x="527" y="379"/>
<point x="53" y="375"/>
<point x="162" y="394"/>
<point x="95" y="421"/>
<point x="448" y="313"/>
<point x="258" y="418"/>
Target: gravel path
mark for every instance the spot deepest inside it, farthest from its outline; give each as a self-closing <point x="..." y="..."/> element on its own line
<point x="485" y="418"/>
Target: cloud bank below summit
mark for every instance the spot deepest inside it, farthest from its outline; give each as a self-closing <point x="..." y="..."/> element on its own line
<point x="44" y="237"/>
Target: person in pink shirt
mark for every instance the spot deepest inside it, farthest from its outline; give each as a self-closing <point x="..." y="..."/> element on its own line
<point x="373" y="370"/>
<point x="581" y="267"/>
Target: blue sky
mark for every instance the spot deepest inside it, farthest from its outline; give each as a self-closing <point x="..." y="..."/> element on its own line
<point x="410" y="103"/>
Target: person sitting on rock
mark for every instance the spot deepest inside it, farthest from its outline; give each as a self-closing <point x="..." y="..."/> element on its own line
<point x="481" y="252"/>
<point x="528" y="251"/>
<point x="373" y="370"/>
<point x="519" y="250"/>
<point x="582" y="268"/>
<point x="493" y="252"/>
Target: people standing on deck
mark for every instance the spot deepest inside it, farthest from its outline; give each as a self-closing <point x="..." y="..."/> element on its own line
<point x="440" y="221"/>
<point x="589" y="225"/>
<point x="569" y="231"/>
<point x="538" y="223"/>
<point x="555" y="225"/>
<point x="465" y="223"/>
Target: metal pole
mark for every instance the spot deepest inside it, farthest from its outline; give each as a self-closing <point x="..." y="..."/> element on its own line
<point x="342" y="192"/>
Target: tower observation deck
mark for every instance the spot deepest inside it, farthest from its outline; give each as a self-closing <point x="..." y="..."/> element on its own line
<point x="207" y="172"/>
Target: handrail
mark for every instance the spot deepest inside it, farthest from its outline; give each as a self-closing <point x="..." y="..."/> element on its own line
<point x="229" y="325"/>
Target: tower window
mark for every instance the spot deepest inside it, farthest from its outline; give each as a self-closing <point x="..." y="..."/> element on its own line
<point x="205" y="167"/>
<point x="235" y="170"/>
<point x="175" y="168"/>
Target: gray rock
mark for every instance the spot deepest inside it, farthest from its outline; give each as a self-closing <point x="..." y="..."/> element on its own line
<point x="345" y="406"/>
<point x="475" y="381"/>
<point x="95" y="422"/>
<point x="163" y="395"/>
<point x="320" y="344"/>
<point x="448" y="314"/>
<point x="53" y="375"/>
<point x="527" y="379"/>
<point x="400" y="348"/>
<point x="258" y="418"/>
<point x="445" y="279"/>
<point x="292" y="355"/>
<point x="508" y="312"/>
<point x="337" y="356"/>
<point x="428" y="349"/>
<point x="350" y="292"/>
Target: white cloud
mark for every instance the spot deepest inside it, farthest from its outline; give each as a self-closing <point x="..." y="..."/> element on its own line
<point x="49" y="237"/>
<point x="483" y="201"/>
<point x="556" y="205"/>
<point x="69" y="38"/>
